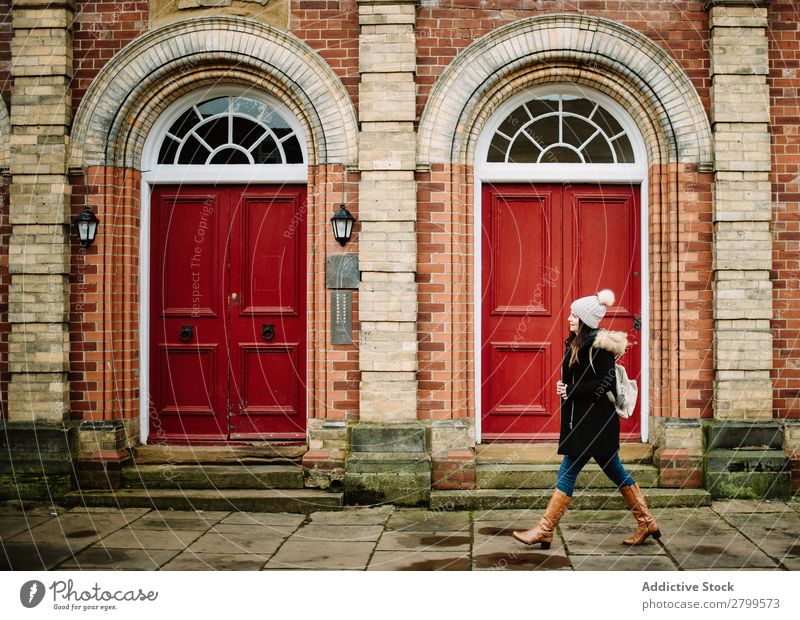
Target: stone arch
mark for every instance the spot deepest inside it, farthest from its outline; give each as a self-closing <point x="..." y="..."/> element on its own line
<point x="141" y="81"/>
<point x="581" y="49"/>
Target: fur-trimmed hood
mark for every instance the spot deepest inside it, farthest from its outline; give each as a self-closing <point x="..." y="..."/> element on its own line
<point x="616" y="342"/>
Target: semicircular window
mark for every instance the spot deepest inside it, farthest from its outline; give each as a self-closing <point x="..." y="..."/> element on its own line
<point x="560" y="129"/>
<point x="230" y="130"/>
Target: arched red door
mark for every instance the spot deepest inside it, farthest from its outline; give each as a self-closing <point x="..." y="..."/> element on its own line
<point x="542" y="247"/>
<point x="228" y="313"/>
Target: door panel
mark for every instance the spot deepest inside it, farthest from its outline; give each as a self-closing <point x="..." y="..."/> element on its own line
<point x="543" y="247"/>
<point x="268" y="318"/>
<point x="227" y="313"/>
<point x="522" y="289"/>
<point x="188" y="377"/>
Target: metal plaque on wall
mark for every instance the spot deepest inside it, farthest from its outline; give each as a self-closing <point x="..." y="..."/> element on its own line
<point x="341" y="271"/>
<point x="341" y="317"/>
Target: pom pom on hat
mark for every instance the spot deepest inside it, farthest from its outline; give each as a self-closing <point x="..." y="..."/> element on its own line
<point x="606" y="297"/>
<point x="593" y="308"/>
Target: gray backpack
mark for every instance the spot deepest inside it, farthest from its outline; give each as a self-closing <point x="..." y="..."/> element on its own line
<point x="627" y="393"/>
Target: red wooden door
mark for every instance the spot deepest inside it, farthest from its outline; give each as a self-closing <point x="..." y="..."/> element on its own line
<point x="216" y="256"/>
<point x="543" y="247"/>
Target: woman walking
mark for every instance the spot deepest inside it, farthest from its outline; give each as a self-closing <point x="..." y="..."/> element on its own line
<point x="589" y="422"/>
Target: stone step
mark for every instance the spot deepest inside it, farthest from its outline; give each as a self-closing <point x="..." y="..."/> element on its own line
<point x="544" y="475"/>
<point x="249" y="500"/>
<point x="594" y="499"/>
<point x="547" y="453"/>
<point x="244" y="476"/>
<point x="256" y="452"/>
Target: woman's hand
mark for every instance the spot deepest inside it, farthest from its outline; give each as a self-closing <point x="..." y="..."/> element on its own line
<point x="561" y="389"/>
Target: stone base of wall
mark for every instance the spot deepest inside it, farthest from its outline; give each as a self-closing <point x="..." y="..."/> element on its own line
<point x="37" y="459"/>
<point x="453" y="470"/>
<point x="745" y="460"/>
<point x="324" y="469"/>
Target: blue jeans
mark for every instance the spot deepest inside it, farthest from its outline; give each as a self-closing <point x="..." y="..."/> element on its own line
<point x="571" y="466"/>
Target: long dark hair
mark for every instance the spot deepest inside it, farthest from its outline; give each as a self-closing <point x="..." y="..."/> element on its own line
<point x="578" y="340"/>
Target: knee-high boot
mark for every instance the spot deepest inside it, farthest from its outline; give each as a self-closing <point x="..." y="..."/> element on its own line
<point x="543" y="533"/>
<point x="646" y="524"/>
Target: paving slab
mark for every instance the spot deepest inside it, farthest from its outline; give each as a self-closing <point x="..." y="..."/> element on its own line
<point x="419" y="560"/>
<point x="324" y="533"/>
<point x="591" y="540"/>
<point x="257" y="529"/>
<point x="215" y="561"/>
<point x="418" y="520"/>
<point x="236" y="543"/>
<point x="322" y="555"/>
<point x="353" y="516"/>
<point x="16" y="507"/>
<point x="98" y="557"/>
<point x="484" y="545"/>
<point x="129" y="538"/>
<point x="179" y="519"/>
<point x="749" y="505"/>
<point x="40" y="556"/>
<point x="731" y="552"/>
<point x="760" y="525"/>
<point x="524" y="558"/>
<point x="624" y="562"/>
<point x="10" y="526"/>
<point x="405" y="540"/>
<point x="76" y="531"/>
<point x="282" y="519"/>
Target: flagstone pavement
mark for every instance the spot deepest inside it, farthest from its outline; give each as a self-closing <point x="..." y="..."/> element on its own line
<point x="729" y="535"/>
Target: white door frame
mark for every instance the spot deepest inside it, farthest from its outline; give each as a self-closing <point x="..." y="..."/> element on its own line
<point x="628" y="174"/>
<point x="155" y="174"/>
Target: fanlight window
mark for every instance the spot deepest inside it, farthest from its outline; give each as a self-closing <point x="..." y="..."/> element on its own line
<point x="560" y="129"/>
<point x="230" y="130"/>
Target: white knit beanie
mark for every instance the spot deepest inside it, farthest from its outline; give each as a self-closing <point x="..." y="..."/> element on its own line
<point x="593" y="308"/>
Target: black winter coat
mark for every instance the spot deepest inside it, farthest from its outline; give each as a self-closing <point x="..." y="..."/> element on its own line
<point x="589" y="422"/>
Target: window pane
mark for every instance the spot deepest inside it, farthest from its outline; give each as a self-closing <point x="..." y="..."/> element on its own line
<point x="546" y="105"/>
<point x="294" y="153"/>
<point x="213" y="106"/>
<point x="214" y="132"/>
<point x="598" y="151"/>
<point x="168" y="150"/>
<point x="246" y="132"/>
<point x="497" y="149"/>
<point x="560" y="155"/>
<point x="184" y="124"/>
<point x="514" y="121"/>
<point x="624" y="150"/>
<point x="577" y="105"/>
<point x="193" y="152"/>
<point x="230" y="156"/>
<point x="267" y="152"/>
<point x="607" y="122"/>
<point x="544" y="131"/>
<point x="248" y="107"/>
<point x="577" y="131"/>
<point x="523" y="151"/>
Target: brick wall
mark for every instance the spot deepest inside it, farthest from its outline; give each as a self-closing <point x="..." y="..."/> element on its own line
<point x="100" y="30"/>
<point x="445" y="27"/>
<point x="784" y="83"/>
<point x="331" y="28"/>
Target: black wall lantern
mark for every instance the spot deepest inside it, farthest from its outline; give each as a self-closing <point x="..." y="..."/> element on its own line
<point x="87" y="224"/>
<point x="342" y="223"/>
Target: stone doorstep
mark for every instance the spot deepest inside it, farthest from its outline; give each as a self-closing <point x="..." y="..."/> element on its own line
<point x="544" y="476"/>
<point x="597" y="499"/>
<point x="243" y="500"/>
<point x="257" y="452"/>
<point x="547" y="453"/>
<point x="241" y="476"/>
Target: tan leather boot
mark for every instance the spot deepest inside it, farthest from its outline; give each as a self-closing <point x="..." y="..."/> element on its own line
<point x="646" y="524"/>
<point x="543" y="533"/>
